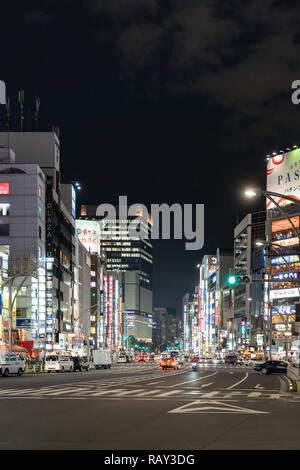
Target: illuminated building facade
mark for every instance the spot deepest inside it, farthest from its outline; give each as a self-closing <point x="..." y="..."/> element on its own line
<point x="54" y="328"/>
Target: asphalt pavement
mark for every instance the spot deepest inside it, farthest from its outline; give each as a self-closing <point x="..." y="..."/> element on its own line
<point x="139" y="406"/>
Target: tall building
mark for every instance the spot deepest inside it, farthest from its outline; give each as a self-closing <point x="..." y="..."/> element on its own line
<point x="124" y="252"/>
<point x="88" y="233"/>
<point x="130" y="258"/>
<point x="43" y="149"/>
<point x="248" y="298"/>
<point x="282" y="254"/>
<point x="166" y="327"/>
<point x="22" y="242"/>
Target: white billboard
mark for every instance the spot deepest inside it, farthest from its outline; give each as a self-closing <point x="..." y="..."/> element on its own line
<point x="284" y="293"/>
<point x="283" y="176"/>
<point x="2" y="92"/>
<point x="88" y="232"/>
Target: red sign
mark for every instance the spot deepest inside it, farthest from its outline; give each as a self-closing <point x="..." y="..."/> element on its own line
<point x="4" y="188"/>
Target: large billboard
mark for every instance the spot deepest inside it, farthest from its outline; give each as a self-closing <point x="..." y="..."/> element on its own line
<point x="88" y="232"/>
<point x="283" y="176"/>
<point x="278" y="225"/>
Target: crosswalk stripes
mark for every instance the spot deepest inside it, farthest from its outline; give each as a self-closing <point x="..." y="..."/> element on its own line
<point x="137" y="393"/>
<point x="168" y="394"/>
<point x="254" y="394"/>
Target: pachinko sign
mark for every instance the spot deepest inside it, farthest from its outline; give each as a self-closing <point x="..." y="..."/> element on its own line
<point x="283" y="176"/>
<point x="278" y="225"/>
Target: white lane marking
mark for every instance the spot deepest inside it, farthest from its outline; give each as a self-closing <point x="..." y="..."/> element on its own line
<point x="104" y="392"/>
<point x="254" y="394"/>
<point x="275" y="396"/>
<point x="207" y="385"/>
<point x="259" y="386"/>
<point x="128" y="392"/>
<point x="210" y="394"/>
<point x="167" y="394"/>
<point x="231" y="394"/>
<point x="237" y="383"/>
<point x="211" y="406"/>
<point x="63" y="392"/>
<point x="154" y="383"/>
<point x="194" y="380"/>
<point x="145" y="394"/>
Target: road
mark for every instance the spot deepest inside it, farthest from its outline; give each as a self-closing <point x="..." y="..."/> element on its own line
<point x="139" y="406"/>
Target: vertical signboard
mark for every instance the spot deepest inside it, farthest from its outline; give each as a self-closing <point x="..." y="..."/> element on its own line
<point x="110" y="310"/>
<point x="1" y="323"/>
<point x="116" y="313"/>
<point x="49" y="264"/>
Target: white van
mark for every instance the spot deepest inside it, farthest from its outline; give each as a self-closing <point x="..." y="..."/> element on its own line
<point x="58" y="364"/>
<point x="11" y="363"/>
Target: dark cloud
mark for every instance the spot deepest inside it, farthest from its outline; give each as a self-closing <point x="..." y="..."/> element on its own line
<point x="242" y="55"/>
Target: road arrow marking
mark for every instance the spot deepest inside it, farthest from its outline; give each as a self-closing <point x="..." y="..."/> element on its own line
<point x="207" y="385"/>
<point x="259" y="386"/>
<point x="212" y="406"/>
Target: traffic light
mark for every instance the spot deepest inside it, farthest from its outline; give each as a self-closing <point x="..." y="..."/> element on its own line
<point x="234" y="280"/>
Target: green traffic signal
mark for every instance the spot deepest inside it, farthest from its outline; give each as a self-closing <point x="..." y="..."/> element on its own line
<point x="232" y="280"/>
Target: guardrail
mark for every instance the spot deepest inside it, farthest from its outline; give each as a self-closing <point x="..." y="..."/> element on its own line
<point x="294" y="376"/>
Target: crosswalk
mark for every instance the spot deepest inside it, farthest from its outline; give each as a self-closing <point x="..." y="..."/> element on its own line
<point x="124" y="392"/>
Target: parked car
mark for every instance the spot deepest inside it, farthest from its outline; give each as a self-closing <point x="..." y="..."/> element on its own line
<point x="272" y="367"/>
<point x="55" y="363"/>
<point x="80" y="363"/>
<point x="11" y="364"/>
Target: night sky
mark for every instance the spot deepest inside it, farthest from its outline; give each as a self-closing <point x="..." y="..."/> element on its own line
<point x="160" y="100"/>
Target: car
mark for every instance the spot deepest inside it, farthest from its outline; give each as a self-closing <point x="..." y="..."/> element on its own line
<point x="11" y="363"/>
<point x="272" y="367"/>
<point x="232" y="359"/>
<point x="203" y="360"/>
<point x="80" y="363"/>
<point x="55" y="363"/>
<point x="248" y="362"/>
<point x="240" y="360"/>
<point x="169" y="363"/>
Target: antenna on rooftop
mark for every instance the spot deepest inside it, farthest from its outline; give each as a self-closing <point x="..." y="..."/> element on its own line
<point x="21" y="101"/>
<point x="36" y="112"/>
<point x="7" y="105"/>
<point x="56" y="130"/>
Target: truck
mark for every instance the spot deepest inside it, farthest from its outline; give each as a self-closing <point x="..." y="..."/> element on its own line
<point x="102" y="358"/>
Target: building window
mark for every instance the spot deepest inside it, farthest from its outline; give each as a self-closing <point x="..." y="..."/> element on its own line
<point x="40" y="232"/>
<point x="4" y="230"/>
<point x="4" y="209"/>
